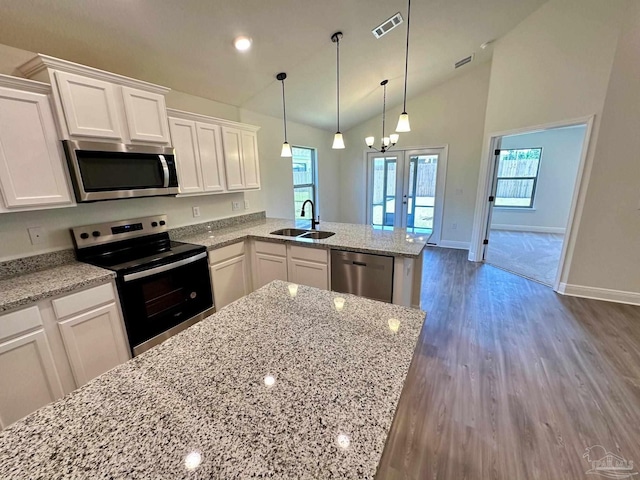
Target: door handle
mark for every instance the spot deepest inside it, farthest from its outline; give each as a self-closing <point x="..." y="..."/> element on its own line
<point x="165" y="170"/>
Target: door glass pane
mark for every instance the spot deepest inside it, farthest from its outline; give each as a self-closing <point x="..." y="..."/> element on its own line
<point x="423" y="170"/>
<point x="383" y="191"/>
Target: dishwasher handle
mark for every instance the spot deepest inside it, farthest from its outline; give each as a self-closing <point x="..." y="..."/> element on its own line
<point x="359" y="264"/>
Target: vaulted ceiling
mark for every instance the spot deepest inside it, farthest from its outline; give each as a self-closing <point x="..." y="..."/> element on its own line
<point x="188" y="45"/>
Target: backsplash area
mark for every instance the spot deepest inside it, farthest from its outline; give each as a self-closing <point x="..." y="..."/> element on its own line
<point x="42" y="261"/>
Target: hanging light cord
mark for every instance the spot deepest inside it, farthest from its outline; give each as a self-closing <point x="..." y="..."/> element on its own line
<point x="284" y="109"/>
<point x="384" y="108"/>
<point x="406" y="60"/>
<point x="338" y="81"/>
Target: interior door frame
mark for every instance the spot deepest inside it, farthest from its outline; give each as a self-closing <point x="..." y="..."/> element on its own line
<point x="441" y="180"/>
<point x="487" y="166"/>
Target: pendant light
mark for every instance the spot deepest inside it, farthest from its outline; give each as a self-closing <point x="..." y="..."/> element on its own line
<point x="338" y="141"/>
<point x="391" y="140"/>
<point x="286" y="148"/>
<point x="403" y="120"/>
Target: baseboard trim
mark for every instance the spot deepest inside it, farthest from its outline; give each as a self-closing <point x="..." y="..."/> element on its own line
<point x="454" y="244"/>
<point x="595" y="293"/>
<point x="528" y="228"/>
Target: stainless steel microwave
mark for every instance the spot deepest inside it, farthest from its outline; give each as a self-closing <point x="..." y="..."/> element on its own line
<point x="109" y="171"/>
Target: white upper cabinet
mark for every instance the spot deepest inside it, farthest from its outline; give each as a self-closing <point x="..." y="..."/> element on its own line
<point x="90" y="107"/>
<point x="250" y="162"/>
<point x="185" y="143"/>
<point x="146" y="115"/>
<point x="232" y="141"/>
<point x="221" y="157"/>
<point x="32" y="165"/>
<point x="92" y="104"/>
<point x="211" y="156"/>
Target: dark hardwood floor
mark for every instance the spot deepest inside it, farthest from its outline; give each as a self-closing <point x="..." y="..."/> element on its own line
<point x="513" y="381"/>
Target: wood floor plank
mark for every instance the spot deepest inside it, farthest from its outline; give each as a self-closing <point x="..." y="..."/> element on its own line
<point x="512" y="381"/>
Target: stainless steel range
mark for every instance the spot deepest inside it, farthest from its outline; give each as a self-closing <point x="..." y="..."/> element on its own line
<point x="164" y="285"/>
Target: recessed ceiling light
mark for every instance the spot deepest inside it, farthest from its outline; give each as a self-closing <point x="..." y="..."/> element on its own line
<point x="242" y="43"/>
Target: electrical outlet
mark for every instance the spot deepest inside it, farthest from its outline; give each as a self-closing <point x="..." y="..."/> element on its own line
<point x="36" y="234"/>
<point x="235" y="206"/>
<point x="196" y="212"/>
<point x="454" y="226"/>
<point x="246" y="204"/>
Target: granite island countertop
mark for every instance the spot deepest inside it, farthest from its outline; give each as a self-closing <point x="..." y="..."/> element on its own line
<point x="22" y="290"/>
<point x="198" y="406"/>
<point x="348" y="236"/>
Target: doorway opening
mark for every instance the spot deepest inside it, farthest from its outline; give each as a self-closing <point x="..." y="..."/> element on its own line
<point x="405" y="188"/>
<point x="534" y="177"/>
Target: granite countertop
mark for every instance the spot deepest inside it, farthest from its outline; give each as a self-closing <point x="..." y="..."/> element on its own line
<point x="30" y="287"/>
<point x="198" y="405"/>
<point x="348" y="236"/>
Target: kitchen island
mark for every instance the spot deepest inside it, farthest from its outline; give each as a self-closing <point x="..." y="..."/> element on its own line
<point x="272" y="386"/>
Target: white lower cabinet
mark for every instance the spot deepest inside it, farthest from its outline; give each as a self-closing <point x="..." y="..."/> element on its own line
<point x="79" y="335"/>
<point x="270" y="263"/>
<point x="229" y="274"/>
<point x="308" y="266"/>
<point x="94" y="342"/>
<point x="28" y="376"/>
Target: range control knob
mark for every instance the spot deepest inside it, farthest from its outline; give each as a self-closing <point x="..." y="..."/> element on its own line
<point x="162" y="222"/>
<point x="84" y="235"/>
<point x="154" y="224"/>
<point x="95" y="233"/>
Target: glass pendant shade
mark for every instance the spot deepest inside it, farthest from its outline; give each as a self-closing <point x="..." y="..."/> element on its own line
<point x="286" y="150"/>
<point x="403" y="123"/>
<point x="385" y="141"/>
<point x="369" y="141"/>
<point x="394" y="137"/>
<point x="338" y="141"/>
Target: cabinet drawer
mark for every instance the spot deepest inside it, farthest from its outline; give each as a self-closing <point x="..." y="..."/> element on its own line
<point x="21" y="321"/>
<point x="310" y="254"/>
<point x="271" y="248"/>
<point x="230" y="251"/>
<point x="78" y="302"/>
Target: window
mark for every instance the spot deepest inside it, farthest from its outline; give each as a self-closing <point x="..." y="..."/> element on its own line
<point x="304" y="179"/>
<point x="517" y="177"/>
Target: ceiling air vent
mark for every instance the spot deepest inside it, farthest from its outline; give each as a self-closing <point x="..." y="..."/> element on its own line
<point x="387" y="25"/>
<point x="464" y="61"/>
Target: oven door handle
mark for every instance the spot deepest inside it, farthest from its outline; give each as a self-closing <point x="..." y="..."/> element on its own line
<point x="163" y="268"/>
<point x="165" y="170"/>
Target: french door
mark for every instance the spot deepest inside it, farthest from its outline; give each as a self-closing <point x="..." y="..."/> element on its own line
<point x="406" y="189"/>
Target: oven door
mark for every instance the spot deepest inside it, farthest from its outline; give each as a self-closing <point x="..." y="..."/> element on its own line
<point x="159" y="299"/>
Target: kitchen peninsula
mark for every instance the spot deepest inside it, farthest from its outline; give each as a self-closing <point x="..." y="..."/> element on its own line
<point x="273" y="385"/>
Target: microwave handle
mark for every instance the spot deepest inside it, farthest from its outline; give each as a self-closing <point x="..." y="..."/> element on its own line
<point x="165" y="170"/>
<point x="163" y="268"/>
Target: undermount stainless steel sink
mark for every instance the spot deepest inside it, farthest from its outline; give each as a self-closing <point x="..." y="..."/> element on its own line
<point x="300" y="233"/>
<point x="317" y="235"/>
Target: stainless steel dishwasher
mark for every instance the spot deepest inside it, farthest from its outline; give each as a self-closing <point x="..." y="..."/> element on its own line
<point x="362" y="274"/>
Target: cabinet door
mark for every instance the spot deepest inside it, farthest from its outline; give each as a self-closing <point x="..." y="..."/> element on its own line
<point x="32" y="165"/>
<point x="94" y="342"/>
<point x="211" y="156"/>
<point x="230" y="281"/>
<point x="146" y="116"/>
<point x="309" y="273"/>
<point x="185" y="143"/>
<point x="28" y="376"/>
<point x="232" y="144"/>
<point x="251" y="164"/>
<point x="269" y="268"/>
<point x="90" y="107"/>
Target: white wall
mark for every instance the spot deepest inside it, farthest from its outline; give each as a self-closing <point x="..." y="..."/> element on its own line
<point x="451" y="113"/>
<point x="561" y="151"/>
<point x="277" y="173"/>
<point x="606" y="252"/>
<point x="276" y="195"/>
<point x="553" y="67"/>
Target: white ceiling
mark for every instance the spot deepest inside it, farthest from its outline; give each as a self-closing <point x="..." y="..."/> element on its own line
<point x="188" y="45"/>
